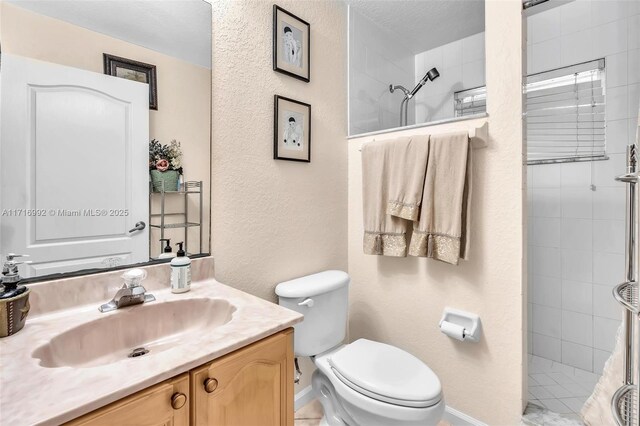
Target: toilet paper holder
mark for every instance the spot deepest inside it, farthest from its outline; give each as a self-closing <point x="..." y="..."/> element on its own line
<point x="470" y="322"/>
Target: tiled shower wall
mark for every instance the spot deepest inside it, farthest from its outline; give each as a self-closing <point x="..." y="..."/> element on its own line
<point x="576" y="210"/>
<point x="377" y="58"/>
<point x="461" y="65"/>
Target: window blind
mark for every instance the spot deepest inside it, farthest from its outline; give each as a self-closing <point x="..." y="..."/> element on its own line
<point x="564" y="113"/>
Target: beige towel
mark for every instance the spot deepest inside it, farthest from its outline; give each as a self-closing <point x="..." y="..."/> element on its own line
<point x="407" y="165"/>
<point x="392" y="178"/>
<point x="442" y="231"/>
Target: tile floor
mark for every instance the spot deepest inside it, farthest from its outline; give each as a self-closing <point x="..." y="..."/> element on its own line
<point x="558" y="387"/>
<point x="310" y="415"/>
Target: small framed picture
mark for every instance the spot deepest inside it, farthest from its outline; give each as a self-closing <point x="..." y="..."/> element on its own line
<point x="292" y="130"/>
<point x="133" y="70"/>
<point x="291" y="36"/>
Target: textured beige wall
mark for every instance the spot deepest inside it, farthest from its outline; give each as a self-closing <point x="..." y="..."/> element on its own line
<point x="400" y="301"/>
<point x="274" y="220"/>
<point x="184" y="89"/>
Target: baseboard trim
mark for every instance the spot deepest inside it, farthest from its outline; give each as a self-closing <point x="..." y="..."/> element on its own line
<point x="303" y="397"/>
<point x="458" y="418"/>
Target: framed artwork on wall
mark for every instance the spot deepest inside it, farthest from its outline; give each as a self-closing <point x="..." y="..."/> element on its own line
<point x="291" y="43"/>
<point x="291" y="130"/>
<point x="133" y="70"/>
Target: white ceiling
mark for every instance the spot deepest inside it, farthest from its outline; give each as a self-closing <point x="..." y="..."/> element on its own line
<point x="178" y="28"/>
<point x="425" y="24"/>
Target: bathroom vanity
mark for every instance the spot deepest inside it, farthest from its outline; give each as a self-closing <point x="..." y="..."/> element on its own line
<point x="212" y="353"/>
<point x="251" y="386"/>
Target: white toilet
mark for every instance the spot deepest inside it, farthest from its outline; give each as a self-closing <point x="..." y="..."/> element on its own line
<point x="364" y="383"/>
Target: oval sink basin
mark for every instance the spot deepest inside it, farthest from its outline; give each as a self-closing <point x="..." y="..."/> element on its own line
<point x="154" y="327"/>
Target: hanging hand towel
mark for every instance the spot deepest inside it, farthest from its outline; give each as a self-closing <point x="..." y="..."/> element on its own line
<point x="442" y="231"/>
<point x="391" y="170"/>
<point x="407" y="165"/>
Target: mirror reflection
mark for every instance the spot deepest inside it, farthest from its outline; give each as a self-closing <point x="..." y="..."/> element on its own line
<point x="105" y="136"/>
<point x="410" y="64"/>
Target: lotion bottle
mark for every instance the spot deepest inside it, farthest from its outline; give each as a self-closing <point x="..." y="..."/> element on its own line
<point x="166" y="252"/>
<point x="180" y="272"/>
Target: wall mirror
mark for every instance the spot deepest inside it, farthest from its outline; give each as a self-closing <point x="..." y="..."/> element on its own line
<point x="413" y="62"/>
<point x="86" y="86"/>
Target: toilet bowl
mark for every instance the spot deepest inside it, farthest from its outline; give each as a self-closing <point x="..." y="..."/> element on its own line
<point x="364" y="383"/>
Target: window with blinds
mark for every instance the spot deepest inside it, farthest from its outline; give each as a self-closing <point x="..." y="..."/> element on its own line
<point x="565" y="113"/>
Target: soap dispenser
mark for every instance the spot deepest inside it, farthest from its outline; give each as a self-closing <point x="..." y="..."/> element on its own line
<point x="180" y="272"/>
<point x="14" y="298"/>
<point x="167" y="253"/>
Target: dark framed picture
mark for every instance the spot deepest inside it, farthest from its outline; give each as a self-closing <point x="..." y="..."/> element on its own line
<point x="133" y="70"/>
<point x="291" y="41"/>
<point x="291" y="130"/>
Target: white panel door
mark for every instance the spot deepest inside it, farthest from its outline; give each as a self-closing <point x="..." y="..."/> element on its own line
<point x="73" y="167"/>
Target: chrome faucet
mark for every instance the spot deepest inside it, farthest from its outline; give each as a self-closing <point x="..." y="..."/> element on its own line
<point x="131" y="292"/>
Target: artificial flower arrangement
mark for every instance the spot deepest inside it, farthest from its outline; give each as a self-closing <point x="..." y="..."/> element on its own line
<point x="165" y="165"/>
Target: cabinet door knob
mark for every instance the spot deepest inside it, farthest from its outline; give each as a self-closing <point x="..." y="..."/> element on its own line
<point x="178" y="400"/>
<point x="210" y="385"/>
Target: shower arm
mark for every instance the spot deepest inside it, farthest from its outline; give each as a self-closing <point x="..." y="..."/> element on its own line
<point x="404" y="104"/>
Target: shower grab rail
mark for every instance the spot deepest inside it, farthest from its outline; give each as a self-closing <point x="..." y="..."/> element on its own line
<point x="625" y="402"/>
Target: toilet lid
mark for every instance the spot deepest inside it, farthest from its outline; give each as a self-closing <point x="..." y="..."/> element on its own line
<point x="386" y="373"/>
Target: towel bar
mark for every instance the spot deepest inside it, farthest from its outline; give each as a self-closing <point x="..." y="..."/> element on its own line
<point x="477" y="135"/>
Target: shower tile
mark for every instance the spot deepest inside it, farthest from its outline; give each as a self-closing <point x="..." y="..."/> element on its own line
<point x="547" y="262"/>
<point x="547" y="55"/>
<point x="604" y="333"/>
<point x="540" y="392"/>
<point x="599" y="359"/>
<point x="577" y="391"/>
<point x="577" y="328"/>
<point x="608" y="268"/>
<point x="546" y="347"/>
<point x="608" y="236"/>
<point x="451" y="54"/>
<point x="633" y="92"/>
<point x="576" y="203"/>
<point x="558" y="391"/>
<point x="604" y="305"/>
<point x="473" y="74"/>
<point x="545" y="26"/>
<point x="577" y="296"/>
<point x="547" y="231"/>
<point x="575" y="16"/>
<point x="616" y="70"/>
<point x="546" y="175"/>
<point x="547" y="202"/>
<point x="634" y="32"/>
<point x="576" y="174"/>
<point x="605" y="172"/>
<point x="577" y="47"/>
<point x="542" y="380"/>
<point x="576" y="233"/>
<point x="610" y="38"/>
<point x="546" y="321"/>
<point x="547" y="291"/>
<point x="575" y="404"/>
<point x="617" y="136"/>
<point x="560" y="378"/>
<point x="473" y="48"/>
<point x="577" y="265"/>
<point x="577" y="355"/>
<point x="556" y="406"/>
<point x="603" y="12"/>
<point x="617" y="104"/>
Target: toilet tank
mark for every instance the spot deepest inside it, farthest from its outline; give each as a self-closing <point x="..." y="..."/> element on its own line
<point x="323" y="300"/>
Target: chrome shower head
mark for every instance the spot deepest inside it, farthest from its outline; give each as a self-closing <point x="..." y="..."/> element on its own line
<point x="432" y="74"/>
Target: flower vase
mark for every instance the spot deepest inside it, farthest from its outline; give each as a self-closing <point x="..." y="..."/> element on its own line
<point x="164" y="181"/>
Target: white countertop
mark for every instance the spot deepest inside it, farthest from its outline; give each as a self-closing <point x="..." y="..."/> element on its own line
<point x="31" y="394"/>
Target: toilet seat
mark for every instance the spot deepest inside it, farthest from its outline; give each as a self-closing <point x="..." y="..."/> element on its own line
<point x="386" y="373"/>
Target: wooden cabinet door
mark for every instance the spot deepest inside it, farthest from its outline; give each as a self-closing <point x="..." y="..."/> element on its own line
<point x="153" y="406"/>
<point x="250" y="387"/>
